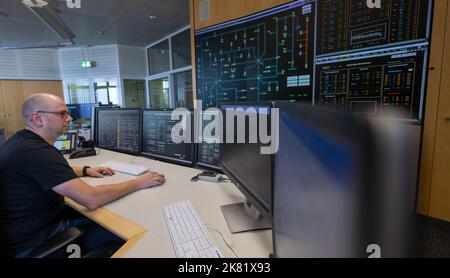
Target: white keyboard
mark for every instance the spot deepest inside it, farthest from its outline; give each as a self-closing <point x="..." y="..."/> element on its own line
<point x="189" y="236"/>
<point x="126" y="167"/>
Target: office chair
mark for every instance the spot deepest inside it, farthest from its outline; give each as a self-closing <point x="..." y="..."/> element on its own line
<point x="2" y="136"/>
<point x="56" y="246"/>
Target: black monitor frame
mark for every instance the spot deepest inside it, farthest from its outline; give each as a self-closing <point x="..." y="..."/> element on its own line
<point x="205" y="165"/>
<point x="357" y="133"/>
<point x="163" y="157"/>
<point x="96" y="129"/>
<point x="264" y="209"/>
<point x="200" y="164"/>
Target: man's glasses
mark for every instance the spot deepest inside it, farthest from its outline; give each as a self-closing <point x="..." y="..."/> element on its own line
<point x="63" y="114"/>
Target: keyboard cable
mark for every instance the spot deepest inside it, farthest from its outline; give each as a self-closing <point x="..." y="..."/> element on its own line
<point x="227" y="241"/>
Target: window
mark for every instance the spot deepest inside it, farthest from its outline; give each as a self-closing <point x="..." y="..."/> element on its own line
<point x="182" y="87"/>
<point x="106" y="92"/>
<point x="170" y="76"/>
<point x="158" y="58"/>
<point x="79" y="93"/>
<point x="181" y="49"/>
<point x="159" y="93"/>
<point x="134" y="93"/>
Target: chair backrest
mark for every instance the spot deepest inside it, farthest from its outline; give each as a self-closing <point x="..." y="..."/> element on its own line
<point x="2" y="136"/>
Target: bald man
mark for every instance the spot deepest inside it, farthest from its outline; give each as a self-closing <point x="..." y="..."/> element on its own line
<point x="35" y="178"/>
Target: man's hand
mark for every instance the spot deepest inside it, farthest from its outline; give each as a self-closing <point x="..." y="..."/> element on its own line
<point x="150" y="179"/>
<point x="99" y="172"/>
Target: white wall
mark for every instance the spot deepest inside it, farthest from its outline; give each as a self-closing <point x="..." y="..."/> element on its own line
<point x="116" y="62"/>
<point x="29" y="64"/>
<point x="105" y="57"/>
<point x="112" y="62"/>
<point x="132" y="62"/>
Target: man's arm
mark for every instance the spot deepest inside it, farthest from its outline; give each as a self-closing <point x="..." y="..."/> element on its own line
<point x="78" y="170"/>
<point x="94" y="197"/>
<point x="96" y="172"/>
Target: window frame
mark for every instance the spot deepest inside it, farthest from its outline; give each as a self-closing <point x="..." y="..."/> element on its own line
<point x="166" y="74"/>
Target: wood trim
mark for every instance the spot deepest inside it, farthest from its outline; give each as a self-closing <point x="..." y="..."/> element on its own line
<point x="128" y="246"/>
<point x="254" y="6"/>
<point x="109" y="220"/>
<point x="225" y="10"/>
<point x="431" y="107"/>
<point x="2" y="112"/>
<point x="214" y="11"/>
<point x="30" y="87"/>
<point x="439" y="206"/>
<point x="229" y="10"/>
<point x="12" y="104"/>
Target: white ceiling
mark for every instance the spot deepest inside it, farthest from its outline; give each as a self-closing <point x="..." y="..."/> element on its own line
<point x="122" y="22"/>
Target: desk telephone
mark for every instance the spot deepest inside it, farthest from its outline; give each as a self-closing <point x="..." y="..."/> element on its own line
<point x="83" y="153"/>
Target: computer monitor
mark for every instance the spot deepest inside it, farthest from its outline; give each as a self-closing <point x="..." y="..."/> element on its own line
<point x="157" y="139"/>
<point x="74" y="111"/>
<point x="335" y="54"/>
<point x="246" y="167"/>
<point x="86" y="110"/>
<point x="208" y="150"/>
<point x="340" y="189"/>
<point x="119" y="129"/>
<point x="67" y="143"/>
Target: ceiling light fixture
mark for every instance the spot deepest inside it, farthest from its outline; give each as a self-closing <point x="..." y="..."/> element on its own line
<point x="35" y="3"/>
<point x="49" y="16"/>
<point x="151" y="16"/>
<point x="33" y="45"/>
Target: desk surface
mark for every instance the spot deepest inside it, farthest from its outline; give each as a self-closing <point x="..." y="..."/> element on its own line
<point x="138" y="217"/>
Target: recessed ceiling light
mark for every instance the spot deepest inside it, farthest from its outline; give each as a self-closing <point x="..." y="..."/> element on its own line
<point x="151" y="16"/>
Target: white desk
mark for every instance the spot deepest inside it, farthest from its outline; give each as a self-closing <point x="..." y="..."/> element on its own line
<point x="140" y="219"/>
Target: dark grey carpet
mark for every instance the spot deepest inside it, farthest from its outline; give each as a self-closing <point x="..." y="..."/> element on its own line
<point x="433" y="238"/>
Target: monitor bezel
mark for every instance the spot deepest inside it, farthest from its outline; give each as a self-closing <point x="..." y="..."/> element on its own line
<point x="266" y="211"/>
<point x="202" y="164"/>
<point x="97" y="112"/>
<point x="183" y="162"/>
<point x="353" y="135"/>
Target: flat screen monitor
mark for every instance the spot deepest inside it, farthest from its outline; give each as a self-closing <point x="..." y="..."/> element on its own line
<point x="264" y="56"/>
<point x="74" y="111"/>
<point x="208" y="148"/>
<point x="119" y="129"/>
<point x="338" y="192"/>
<point x="86" y="110"/>
<point x="245" y="165"/>
<point x="157" y="141"/>
<point x="336" y="54"/>
<point x="67" y="143"/>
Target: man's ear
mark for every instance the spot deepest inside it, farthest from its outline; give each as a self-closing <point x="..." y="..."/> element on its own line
<point x="36" y="119"/>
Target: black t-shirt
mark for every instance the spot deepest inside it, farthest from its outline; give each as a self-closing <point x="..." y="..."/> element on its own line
<point x="29" y="209"/>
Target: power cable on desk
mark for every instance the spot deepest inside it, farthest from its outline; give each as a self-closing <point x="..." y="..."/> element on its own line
<point x="209" y="176"/>
<point x="227" y="241"/>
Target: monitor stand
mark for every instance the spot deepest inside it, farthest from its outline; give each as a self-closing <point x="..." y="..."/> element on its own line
<point x="242" y="217"/>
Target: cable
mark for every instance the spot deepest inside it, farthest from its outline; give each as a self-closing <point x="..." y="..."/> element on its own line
<point x="222" y="179"/>
<point x="227" y="241"/>
<point x="209" y="176"/>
